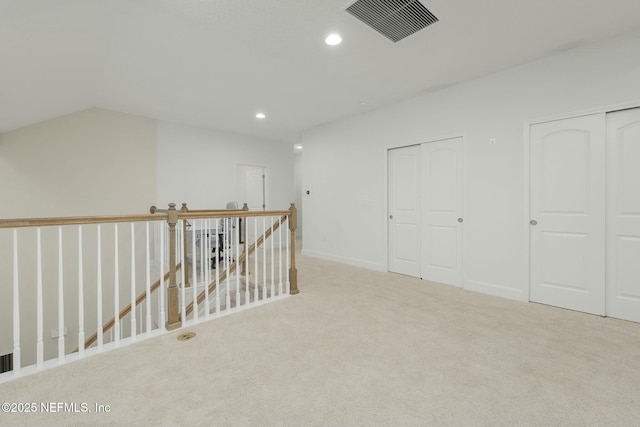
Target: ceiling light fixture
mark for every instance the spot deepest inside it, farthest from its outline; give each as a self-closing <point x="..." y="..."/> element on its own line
<point x="260" y="116"/>
<point x="333" y="39"/>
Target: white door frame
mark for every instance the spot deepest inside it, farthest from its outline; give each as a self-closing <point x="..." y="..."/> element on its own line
<point x="465" y="194"/>
<point x="526" y="170"/>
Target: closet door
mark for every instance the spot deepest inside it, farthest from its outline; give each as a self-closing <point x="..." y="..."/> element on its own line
<point x="441" y="205"/>
<point x="623" y="214"/>
<point x="404" y="210"/>
<point x="567" y="218"/>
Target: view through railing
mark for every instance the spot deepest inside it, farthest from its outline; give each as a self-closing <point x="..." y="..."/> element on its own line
<point x="76" y="286"/>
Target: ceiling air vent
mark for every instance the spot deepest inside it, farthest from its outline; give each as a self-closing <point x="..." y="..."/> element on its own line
<point x="394" y="19"/>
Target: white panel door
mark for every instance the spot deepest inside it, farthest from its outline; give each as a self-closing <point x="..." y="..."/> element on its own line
<point x="252" y="191"/>
<point x="404" y="210"/>
<point x="441" y="190"/>
<point x="256" y="177"/>
<point x="623" y="214"/>
<point x="568" y="213"/>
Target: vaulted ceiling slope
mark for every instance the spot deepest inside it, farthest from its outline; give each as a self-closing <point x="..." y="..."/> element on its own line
<point x="215" y="63"/>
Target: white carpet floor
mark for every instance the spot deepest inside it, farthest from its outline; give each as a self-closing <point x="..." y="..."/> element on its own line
<point x="359" y="348"/>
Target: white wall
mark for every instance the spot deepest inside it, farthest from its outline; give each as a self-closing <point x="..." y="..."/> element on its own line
<point x="198" y="166"/>
<point x="95" y="162"/>
<point x="345" y="162"/>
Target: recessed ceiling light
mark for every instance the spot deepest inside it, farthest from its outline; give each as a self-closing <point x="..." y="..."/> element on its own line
<point x="261" y="115"/>
<point x="333" y="39"/>
<point x="298" y="147"/>
<point x="363" y="103"/>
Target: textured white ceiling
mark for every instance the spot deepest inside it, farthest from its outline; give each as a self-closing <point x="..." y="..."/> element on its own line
<point x="215" y="63"/>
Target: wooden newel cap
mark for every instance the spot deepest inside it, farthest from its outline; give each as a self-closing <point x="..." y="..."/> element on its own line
<point x="173" y="216"/>
<point x="184" y="207"/>
<point x="153" y="209"/>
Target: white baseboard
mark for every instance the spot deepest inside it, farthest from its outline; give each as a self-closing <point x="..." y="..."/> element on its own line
<point x="345" y="260"/>
<point x="496" y="290"/>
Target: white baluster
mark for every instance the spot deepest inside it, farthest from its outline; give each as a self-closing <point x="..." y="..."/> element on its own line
<point x="134" y="308"/>
<point x="206" y="251"/>
<point x="200" y="249"/>
<point x="201" y="252"/>
<point x="40" y="319"/>
<point x="100" y="334"/>
<point x="216" y="258"/>
<point x="80" y="296"/>
<point x="280" y="256"/>
<point x="115" y="331"/>
<point x="264" y="260"/>
<point x="163" y="287"/>
<point x="194" y="271"/>
<point x="203" y="245"/>
<point x="256" y="289"/>
<point x="247" y="283"/>
<point x="148" y="305"/>
<point x="236" y="240"/>
<point x="60" y="300"/>
<point x="273" y="254"/>
<point x="288" y="239"/>
<point x="226" y="261"/>
<point x="182" y="273"/>
<point x="16" y="307"/>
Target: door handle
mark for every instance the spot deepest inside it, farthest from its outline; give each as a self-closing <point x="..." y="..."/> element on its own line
<point x="390" y="216"/>
<point x="460" y="220"/>
<point x="533" y="222"/>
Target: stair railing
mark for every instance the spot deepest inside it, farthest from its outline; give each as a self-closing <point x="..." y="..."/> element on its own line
<point x="105" y="254"/>
<point x="262" y="277"/>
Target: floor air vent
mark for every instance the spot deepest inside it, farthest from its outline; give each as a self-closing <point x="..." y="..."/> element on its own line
<point x="394" y="19"/>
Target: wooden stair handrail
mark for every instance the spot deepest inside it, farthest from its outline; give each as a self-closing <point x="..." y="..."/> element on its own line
<point x="77" y="220"/>
<point x="153" y="209"/>
<point x="233" y="266"/>
<point x="229" y="214"/>
<point x="125" y="311"/>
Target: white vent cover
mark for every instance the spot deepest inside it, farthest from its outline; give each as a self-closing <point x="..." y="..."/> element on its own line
<point x="394" y="19"/>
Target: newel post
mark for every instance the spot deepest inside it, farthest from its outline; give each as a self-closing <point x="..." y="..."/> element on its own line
<point x="293" y="271"/>
<point x="173" y="311"/>
<point x="243" y="270"/>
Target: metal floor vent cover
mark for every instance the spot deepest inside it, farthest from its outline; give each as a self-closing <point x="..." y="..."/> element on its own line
<point x="186" y="336"/>
<point x="394" y="19"/>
